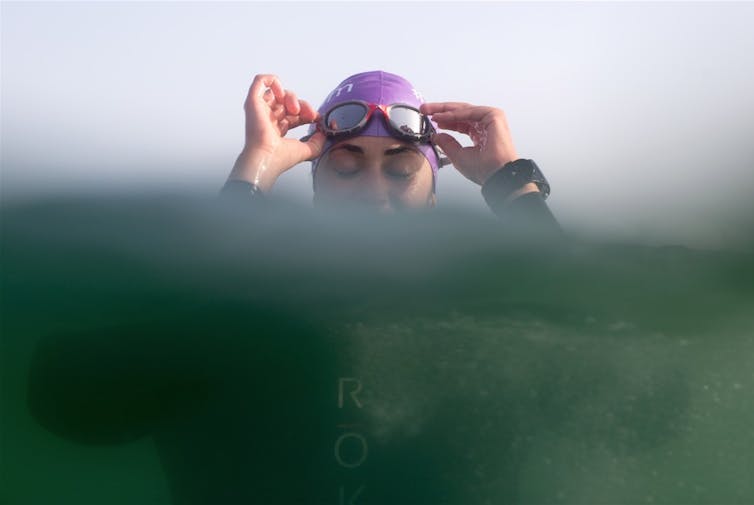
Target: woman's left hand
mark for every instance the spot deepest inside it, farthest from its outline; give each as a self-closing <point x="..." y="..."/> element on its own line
<point x="488" y="130"/>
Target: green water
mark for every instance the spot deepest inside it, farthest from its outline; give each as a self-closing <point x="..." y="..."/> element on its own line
<point x="176" y="351"/>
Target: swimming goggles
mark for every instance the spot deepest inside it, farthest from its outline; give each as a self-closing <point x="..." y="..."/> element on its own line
<point x="402" y="121"/>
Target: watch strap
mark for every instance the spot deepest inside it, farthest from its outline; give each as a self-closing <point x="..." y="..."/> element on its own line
<point x="234" y="188"/>
<point x="511" y="177"/>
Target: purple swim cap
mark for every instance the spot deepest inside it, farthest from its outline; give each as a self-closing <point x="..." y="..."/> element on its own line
<point x="376" y="87"/>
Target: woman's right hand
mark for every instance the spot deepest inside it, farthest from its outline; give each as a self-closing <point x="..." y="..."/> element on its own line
<point x="270" y="112"/>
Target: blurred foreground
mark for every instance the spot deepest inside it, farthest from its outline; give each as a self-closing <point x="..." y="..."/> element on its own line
<point x="178" y="350"/>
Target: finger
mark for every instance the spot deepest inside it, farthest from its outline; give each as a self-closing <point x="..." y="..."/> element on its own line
<point x="291" y="103"/>
<point x="277" y="112"/>
<point x="434" y="107"/>
<point x="283" y="126"/>
<point x="449" y="145"/>
<point x="313" y="147"/>
<point x="261" y="83"/>
<point x="271" y="82"/>
<point x="269" y="97"/>
<point x="308" y="113"/>
<point x="295" y="121"/>
<point x="485" y="115"/>
<point x="458" y="126"/>
<point x="310" y="149"/>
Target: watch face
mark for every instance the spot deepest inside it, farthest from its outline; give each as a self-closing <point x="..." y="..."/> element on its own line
<point x="528" y="171"/>
<point x="501" y="186"/>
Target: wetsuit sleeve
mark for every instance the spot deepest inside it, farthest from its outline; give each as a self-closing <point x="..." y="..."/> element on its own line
<point x="527" y="212"/>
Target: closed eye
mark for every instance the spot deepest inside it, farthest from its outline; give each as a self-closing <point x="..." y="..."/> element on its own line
<point x="350" y="148"/>
<point x="400" y="175"/>
<point x="346" y="175"/>
<point x="346" y="170"/>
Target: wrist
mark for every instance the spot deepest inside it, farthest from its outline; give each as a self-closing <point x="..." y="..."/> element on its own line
<point x="486" y="175"/>
<point x="254" y="166"/>
<point x="514" y="179"/>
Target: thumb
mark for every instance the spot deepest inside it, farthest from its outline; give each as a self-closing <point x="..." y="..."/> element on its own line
<point x="312" y="148"/>
<point x="449" y="145"/>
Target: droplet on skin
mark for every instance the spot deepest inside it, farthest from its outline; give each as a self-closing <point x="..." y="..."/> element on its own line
<point x="260" y="170"/>
<point x="479" y="135"/>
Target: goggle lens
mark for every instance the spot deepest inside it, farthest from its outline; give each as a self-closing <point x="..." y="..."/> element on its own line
<point x="407" y="121"/>
<point x="346" y="116"/>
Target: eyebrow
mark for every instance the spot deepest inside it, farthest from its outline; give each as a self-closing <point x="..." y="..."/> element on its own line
<point x="360" y="150"/>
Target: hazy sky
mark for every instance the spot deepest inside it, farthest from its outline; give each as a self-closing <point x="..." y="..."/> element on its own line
<point x="641" y="114"/>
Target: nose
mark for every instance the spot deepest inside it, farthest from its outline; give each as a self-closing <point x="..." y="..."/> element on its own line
<point x="374" y="191"/>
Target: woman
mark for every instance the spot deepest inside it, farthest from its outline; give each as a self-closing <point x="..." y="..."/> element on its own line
<point x="373" y="142"/>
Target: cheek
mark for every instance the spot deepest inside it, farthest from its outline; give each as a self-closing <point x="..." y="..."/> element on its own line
<point x="327" y="181"/>
<point x="330" y="187"/>
<point x="418" y="192"/>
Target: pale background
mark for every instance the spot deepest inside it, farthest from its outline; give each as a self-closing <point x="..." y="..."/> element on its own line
<point x="641" y="115"/>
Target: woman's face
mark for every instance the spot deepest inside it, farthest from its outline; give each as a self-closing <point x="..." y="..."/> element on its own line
<point x="380" y="172"/>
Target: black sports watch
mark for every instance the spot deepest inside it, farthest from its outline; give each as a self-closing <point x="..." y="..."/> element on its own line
<point x="513" y="176"/>
<point x="234" y="188"/>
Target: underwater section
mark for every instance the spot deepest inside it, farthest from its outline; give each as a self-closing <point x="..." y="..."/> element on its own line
<point x="169" y="349"/>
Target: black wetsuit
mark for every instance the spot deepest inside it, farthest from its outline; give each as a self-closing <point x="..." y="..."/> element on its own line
<point x="269" y="403"/>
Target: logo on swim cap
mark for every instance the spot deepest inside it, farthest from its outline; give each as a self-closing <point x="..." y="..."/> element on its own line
<point x="336" y="92"/>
